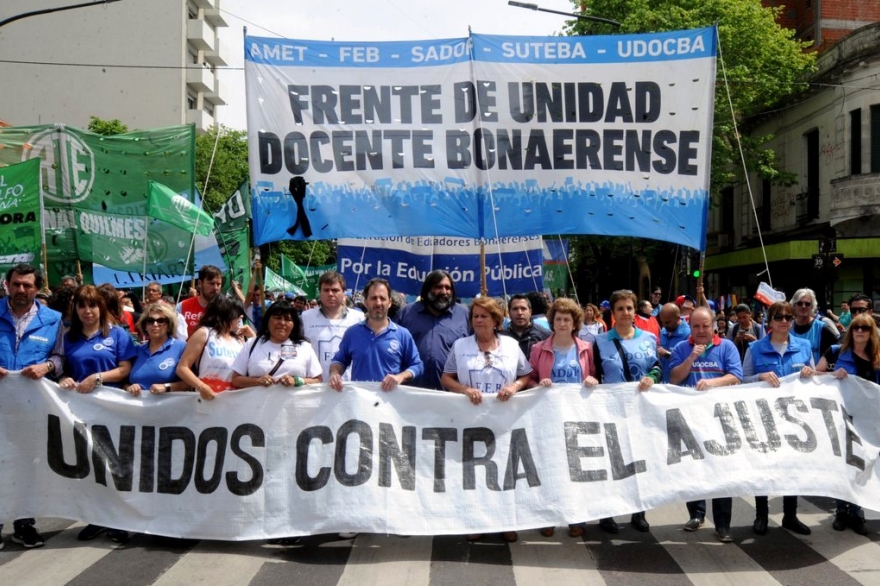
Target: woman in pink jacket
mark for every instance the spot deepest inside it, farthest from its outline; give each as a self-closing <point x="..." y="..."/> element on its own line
<point x="563" y="358"/>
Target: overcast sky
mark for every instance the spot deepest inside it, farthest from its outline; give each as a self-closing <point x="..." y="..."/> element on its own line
<point x="367" y="20"/>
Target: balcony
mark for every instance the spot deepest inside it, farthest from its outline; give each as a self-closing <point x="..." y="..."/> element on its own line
<point x="214" y="94"/>
<point x="200" y="34"/>
<point x="855" y="203"/>
<point x="215" y="56"/>
<point x="206" y="4"/>
<point x="214" y="17"/>
<point x="200" y="79"/>
<point x="200" y="118"/>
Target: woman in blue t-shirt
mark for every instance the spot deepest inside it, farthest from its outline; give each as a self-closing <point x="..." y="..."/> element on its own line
<point x="95" y="353"/>
<point x="626" y="354"/>
<point x="155" y="366"/>
<point x="858" y="355"/>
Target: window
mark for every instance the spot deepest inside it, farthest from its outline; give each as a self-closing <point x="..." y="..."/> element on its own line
<point x="192" y="101"/>
<point x="855" y="142"/>
<point x="808" y="204"/>
<point x="875" y="139"/>
<point x="209" y="108"/>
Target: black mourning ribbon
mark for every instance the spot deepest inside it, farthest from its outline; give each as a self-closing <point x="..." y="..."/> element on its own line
<point x="298" y="191"/>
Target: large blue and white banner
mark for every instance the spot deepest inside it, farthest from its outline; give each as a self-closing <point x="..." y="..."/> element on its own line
<point x="482" y="137"/>
<point x="513" y="265"/>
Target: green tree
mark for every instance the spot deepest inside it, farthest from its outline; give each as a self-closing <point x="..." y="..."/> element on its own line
<point x="764" y="65"/>
<point x="106" y="127"/>
<point x="225" y="168"/>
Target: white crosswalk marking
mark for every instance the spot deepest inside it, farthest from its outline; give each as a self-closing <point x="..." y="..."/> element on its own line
<point x="824" y="557"/>
<point x="388" y="559"/>
<point x="854" y="554"/>
<point x="555" y="560"/>
<point x="57" y="563"/>
<point x="705" y="560"/>
<point x="214" y="563"/>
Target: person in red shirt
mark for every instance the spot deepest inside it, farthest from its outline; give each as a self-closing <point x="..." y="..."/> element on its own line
<point x="208" y="286"/>
<point x="644" y="319"/>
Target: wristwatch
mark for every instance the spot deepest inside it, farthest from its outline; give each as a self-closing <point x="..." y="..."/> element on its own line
<point x="99" y="380"/>
<point x="167" y="387"/>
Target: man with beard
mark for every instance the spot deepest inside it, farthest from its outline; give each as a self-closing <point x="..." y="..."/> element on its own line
<point x="436" y="321"/>
<point x="521" y="328"/>
<point x="674" y="330"/>
<point x="208" y="286"/>
<point x="29" y="333"/>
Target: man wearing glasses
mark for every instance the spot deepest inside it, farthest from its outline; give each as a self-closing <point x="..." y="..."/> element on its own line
<point x="819" y="332"/>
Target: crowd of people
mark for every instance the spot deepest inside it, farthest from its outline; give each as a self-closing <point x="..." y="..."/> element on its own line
<point x="84" y="337"/>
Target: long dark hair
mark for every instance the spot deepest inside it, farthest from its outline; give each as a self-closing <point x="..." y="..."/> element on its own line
<point x="88" y="295"/>
<point x="431" y="281"/>
<point x="284" y="308"/>
<point x="221" y="313"/>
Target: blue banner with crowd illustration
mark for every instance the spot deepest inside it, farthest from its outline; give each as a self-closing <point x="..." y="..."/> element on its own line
<point x="482" y="137"/>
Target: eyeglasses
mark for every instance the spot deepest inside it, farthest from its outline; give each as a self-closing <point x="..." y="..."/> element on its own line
<point x="860" y="328"/>
<point x="156" y="320"/>
<point x="488" y="357"/>
<point x="858" y="310"/>
<point x="779" y="317"/>
<point x="804" y="304"/>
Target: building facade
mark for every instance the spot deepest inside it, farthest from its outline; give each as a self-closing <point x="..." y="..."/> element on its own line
<point x="822" y="232"/>
<point x="148" y="63"/>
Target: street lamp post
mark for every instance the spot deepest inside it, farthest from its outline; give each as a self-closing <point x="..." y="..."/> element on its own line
<point x="571" y="15"/>
<point x="6" y="21"/>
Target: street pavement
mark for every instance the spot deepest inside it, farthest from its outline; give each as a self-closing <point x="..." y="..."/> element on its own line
<point x="665" y="556"/>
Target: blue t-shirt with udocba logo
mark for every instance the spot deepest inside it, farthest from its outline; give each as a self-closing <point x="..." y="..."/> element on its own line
<point x="159" y="367"/>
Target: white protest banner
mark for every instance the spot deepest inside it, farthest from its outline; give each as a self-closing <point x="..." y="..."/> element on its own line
<point x="274" y="462"/>
<point x="482" y="137"/>
<point x="513" y="265"/>
<point x="768" y="295"/>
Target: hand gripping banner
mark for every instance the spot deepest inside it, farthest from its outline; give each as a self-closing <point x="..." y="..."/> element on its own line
<point x="262" y="463"/>
<point x="482" y="137"/>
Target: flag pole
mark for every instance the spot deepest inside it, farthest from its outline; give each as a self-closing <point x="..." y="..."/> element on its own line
<point x="146" y="253"/>
<point x="43" y="249"/>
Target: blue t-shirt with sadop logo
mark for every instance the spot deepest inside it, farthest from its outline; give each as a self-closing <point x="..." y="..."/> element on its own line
<point x="159" y="367"/>
<point x="99" y="353"/>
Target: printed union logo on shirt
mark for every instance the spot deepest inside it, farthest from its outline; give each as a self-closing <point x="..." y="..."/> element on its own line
<point x="393" y="347"/>
<point x="166" y="364"/>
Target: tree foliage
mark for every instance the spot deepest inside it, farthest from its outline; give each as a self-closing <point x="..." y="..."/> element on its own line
<point x="106" y="127"/>
<point x="763" y="64"/>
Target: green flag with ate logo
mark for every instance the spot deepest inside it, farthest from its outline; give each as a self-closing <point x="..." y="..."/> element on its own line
<point x="95" y="189"/>
<point x="19" y="214"/>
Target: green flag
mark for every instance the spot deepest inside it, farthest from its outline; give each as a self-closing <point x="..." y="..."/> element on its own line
<point x="165" y="205"/>
<point x="94" y="192"/>
<point x="20" y="208"/>
<point x="232" y="229"/>
<point x="274" y="282"/>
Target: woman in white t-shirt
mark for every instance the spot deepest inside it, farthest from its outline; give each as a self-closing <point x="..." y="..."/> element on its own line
<point x="280" y="354"/>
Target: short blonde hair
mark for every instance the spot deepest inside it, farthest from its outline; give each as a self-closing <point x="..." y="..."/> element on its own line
<point x="165" y="311"/>
<point x="566" y="305"/>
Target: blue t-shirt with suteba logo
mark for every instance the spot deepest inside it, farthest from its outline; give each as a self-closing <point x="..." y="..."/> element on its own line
<point x="373" y="356"/>
<point x="99" y="353"/>
<point x="158" y="368"/>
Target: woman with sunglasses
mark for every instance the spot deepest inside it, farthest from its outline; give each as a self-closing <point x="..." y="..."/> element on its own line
<point x="486" y="363"/>
<point x="280" y="354"/>
<point x="155" y="366"/>
<point x="858" y="355"/>
<point x="626" y="354"/>
<point x="774" y="356"/>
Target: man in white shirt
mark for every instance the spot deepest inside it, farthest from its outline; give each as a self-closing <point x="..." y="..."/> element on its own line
<point x="324" y="325"/>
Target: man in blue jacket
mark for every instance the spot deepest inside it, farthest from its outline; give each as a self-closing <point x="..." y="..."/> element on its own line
<point x="29" y="332"/>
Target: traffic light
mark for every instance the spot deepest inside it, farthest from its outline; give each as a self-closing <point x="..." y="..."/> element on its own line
<point x="696" y="273"/>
